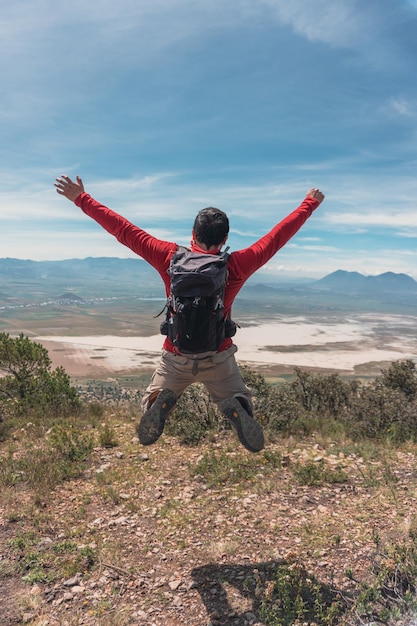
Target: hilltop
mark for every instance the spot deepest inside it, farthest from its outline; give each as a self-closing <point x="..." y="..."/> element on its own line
<point x="211" y="535"/>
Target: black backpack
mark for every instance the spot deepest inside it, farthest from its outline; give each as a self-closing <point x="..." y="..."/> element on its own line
<point x="195" y="310"/>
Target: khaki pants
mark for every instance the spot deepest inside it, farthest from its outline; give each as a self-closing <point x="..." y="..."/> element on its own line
<point x="218" y="371"/>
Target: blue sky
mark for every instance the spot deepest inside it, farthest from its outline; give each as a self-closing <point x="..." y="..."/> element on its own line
<point x="167" y="106"/>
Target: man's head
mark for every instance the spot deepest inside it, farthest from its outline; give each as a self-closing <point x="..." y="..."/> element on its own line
<point x="211" y="227"/>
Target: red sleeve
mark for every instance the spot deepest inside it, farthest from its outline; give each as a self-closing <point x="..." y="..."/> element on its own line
<point x="243" y="263"/>
<point x="246" y="262"/>
<point x="155" y="251"/>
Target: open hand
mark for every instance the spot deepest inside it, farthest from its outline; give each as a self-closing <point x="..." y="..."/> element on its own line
<point x="68" y="188"/>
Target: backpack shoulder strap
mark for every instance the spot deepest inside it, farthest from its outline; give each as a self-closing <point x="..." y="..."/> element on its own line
<point x="225" y="254"/>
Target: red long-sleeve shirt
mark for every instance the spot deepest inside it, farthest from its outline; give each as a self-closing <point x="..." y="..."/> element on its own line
<point x="241" y="265"/>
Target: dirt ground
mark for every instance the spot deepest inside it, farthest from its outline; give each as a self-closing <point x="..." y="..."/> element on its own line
<point x="170" y="549"/>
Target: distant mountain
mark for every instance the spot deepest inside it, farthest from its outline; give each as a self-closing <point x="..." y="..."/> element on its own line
<point x="74" y="271"/>
<point x="69" y="298"/>
<point x="114" y="277"/>
<point x="338" y="291"/>
<point x="26" y="280"/>
<point x="100" y="267"/>
<point x="354" y="282"/>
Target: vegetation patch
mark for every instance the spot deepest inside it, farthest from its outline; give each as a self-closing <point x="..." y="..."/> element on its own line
<point x="319" y="473"/>
<point x="94" y="525"/>
<point x="222" y="468"/>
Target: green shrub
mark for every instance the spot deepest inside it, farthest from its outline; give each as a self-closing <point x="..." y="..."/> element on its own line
<point x="385" y="408"/>
<point x="401" y="376"/>
<point x="222" y="468"/>
<point x="279" y="410"/>
<point x="319" y="394"/>
<point x="318" y="473"/>
<point x="380" y="412"/>
<point x="295" y="597"/>
<point x="29" y="385"/>
<point x="107" y="436"/>
<point x="62" y="455"/>
<point x="194" y="416"/>
<point x="389" y="594"/>
<point x="38" y="562"/>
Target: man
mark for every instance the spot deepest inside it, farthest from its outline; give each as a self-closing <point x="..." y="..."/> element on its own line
<point x="217" y="370"/>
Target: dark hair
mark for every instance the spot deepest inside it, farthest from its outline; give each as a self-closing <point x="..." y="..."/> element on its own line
<point x="211" y="226"/>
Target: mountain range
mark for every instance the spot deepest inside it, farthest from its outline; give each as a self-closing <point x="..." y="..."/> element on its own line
<point x="117" y="269"/>
<point x="355" y="282"/>
<point x="90" y="277"/>
<point x="93" y="267"/>
<point x="23" y="281"/>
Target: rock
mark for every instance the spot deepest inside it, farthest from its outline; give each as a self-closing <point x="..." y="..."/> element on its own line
<point x="174" y="584"/>
<point x="45" y="542"/>
<point x="71" y="582"/>
<point x="103" y="468"/>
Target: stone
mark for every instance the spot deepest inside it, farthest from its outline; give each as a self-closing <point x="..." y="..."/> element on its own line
<point x="71" y="582"/>
<point x="174" y="584"/>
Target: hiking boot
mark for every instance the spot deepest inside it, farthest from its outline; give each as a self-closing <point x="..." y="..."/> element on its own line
<point x="151" y="426"/>
<point x="249" y="432"/>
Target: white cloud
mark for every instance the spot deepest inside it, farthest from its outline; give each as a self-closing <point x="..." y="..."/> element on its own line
<point x="369" y="28"/>
<point x="141" y="30"/>
<point x="338" y="23"/>
<point x="322" y="248"/>
<point x="404" y="107"/>
<point x="319" y="265"/>
<point x="392" y="219"/>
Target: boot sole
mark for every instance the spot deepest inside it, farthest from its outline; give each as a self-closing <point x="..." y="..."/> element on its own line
<point x="249" y="432"/>
<point x="153" y="420"/>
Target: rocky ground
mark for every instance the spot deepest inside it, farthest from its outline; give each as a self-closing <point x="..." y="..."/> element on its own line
<point x="154" y="537"/>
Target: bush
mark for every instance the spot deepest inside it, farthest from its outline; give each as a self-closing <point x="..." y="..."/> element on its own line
<point x="309" y="403"/>
<point x="223" y="468"/>
<point x="194" y="416"/>
<point x="402" y="377"/>
<point x="328" y="395"/>
<point x="387" y="407"/>
<point x="62" y="454"/>
<point x="381" y="411"/>
<point x="29" y="385"/>
<point x="278" y="410"/>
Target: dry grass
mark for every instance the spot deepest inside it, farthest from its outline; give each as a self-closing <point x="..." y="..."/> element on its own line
<point x="148" y="530"/>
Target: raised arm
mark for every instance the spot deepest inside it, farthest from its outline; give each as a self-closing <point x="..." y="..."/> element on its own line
<point x="247" y="261"/>
<point x="155" y="251"/>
